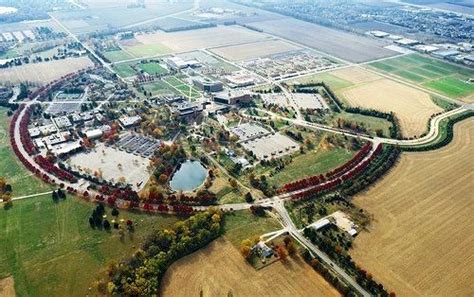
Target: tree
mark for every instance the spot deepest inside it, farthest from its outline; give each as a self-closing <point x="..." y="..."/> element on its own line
<point x="291" y="249"/>
<point x="233" y="184"/>
<point x="55" y="196"/>
<point x="106" y="225"/>
<point x="115" y="212"/>
<point x="248" y="197"/>
<point x="163" y="178"/>
<point x="281" y="252"/>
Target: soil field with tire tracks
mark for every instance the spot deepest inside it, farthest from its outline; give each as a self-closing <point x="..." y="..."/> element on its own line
<point x="220" y="270"/>
<point x="421" y="242"/>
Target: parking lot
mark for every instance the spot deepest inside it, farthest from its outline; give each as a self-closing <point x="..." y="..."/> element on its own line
<point x="65" y="103"/>
<point x="138" y="145"/>
<point x="310" y="101"/>
<point x="249" y="131"/>
<point x="271" y="146"/>
<point x="113" y="165"/>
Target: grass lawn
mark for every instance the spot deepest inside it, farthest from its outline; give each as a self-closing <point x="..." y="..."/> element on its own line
<point x="22" y="181"/>
<point x="181" y="87"/>
<point x="152" y="68"/>
<point x="125" y="69"/>
<point x="445" y="78"/>
<point x="451" y="86"/>
<point x="50" y="249"/>
<point x="334" y="82"/>
<point x="242" y="224"/>
<point x="311" y="163"/>
<point x="117" y="56"/>
<point x="11" y="53"/>
<point x="371" y="123"/>
<point x="159" y="88"/>
<point x="147" y="50"/>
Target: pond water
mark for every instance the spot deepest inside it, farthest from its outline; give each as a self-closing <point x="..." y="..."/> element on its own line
<point x="6" y="9"/>
<point x="189" y="176"/>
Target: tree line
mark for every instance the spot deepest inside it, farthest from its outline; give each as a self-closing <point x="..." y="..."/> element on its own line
<point x="141" y="274"/>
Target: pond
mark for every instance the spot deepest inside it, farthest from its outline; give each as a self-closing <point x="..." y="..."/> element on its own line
<point x="189" y="176"/>
<point x="6" y="9"/>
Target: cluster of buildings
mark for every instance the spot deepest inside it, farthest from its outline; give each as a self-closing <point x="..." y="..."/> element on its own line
<point x="461" y="52"/>
<point x="286" y="65"/>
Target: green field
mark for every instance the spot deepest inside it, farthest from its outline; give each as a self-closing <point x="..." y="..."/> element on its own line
<point x="117" y="56"/>
<point x="311" y="163"/>
<point x="51" y="250"/>
<point x="451" y="86"/>
<point x="147" y="50"/>
<point x="159" y="87"/>
<point x="243" y="224"/>
<point x="334" y="82"/>
<point x="152" y="68"/>
<point x="125" y="69"/>
<point x="22" y="181"/>
<point x="445" y="78"/>
<point x="11" y="53"/>
<point x="182" y="88"/>
<point x="370" y="123"/>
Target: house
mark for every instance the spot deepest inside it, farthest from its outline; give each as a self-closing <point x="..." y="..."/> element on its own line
<point x="262" y="250"/>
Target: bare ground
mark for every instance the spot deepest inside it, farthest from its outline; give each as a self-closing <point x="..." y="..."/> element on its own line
<point x="421" y="242"/>
<point x="412" y="107"/>
<point x="7" y="287"/>
<point x="219" y="270"/>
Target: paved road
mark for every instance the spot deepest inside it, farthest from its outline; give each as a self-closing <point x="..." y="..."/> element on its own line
<point x="293" y="231"/>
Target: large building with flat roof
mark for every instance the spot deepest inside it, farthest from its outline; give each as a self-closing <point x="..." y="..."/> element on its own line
<point x="232" y="97"/>
<point x="207" y="85"/>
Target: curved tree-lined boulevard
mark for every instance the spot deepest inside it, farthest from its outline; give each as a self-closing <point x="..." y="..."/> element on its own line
<point x="276" y="202"/>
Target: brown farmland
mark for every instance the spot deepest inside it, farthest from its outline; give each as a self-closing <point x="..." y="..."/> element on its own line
<point x="412" y="107"/>
<point x="254" y="50"/>
<point x="203" y="38"/>
<point x="219" y="269"/>
<point x="43" y="72"/>
<point x="347" y="46"/>
<point x="421" y="241"/>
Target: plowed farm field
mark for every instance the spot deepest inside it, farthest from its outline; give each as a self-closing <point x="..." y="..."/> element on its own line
<point x="43" y="72"/>
<point x="411" y="106"/>
<point x="220" y="270"/>
<point x="421" y="241"/>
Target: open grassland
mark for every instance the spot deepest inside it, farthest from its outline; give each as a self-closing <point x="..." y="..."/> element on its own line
<point x="159" y="87"/>
<point x="146" y="50"/>
<point x="254" y="50"/>
<point x="181" y="87"/>
<point x="421" y="240"/>
<point x="243" y="224"/>
<point x="311" y="163"/>
<point x="197" y="39"/>
<point x="220" y="270"/>
<point x="152" y="68"/>
<point x="347" y="46"/>
<point x="411" y="106"/>
<point x="50" y="249"/>
<point x="439" y="76"/>
<point x="117" y="56"/>
<point x="22" y="181"/>
<point x="125" y="69"/>
<point x="43" y="72"/>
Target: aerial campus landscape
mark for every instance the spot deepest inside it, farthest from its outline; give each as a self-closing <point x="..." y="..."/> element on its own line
<point x="236" y="148"/>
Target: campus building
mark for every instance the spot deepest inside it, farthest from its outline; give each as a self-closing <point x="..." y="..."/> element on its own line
<point x="207" y="85"/>
<point x="232" y="97"/>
